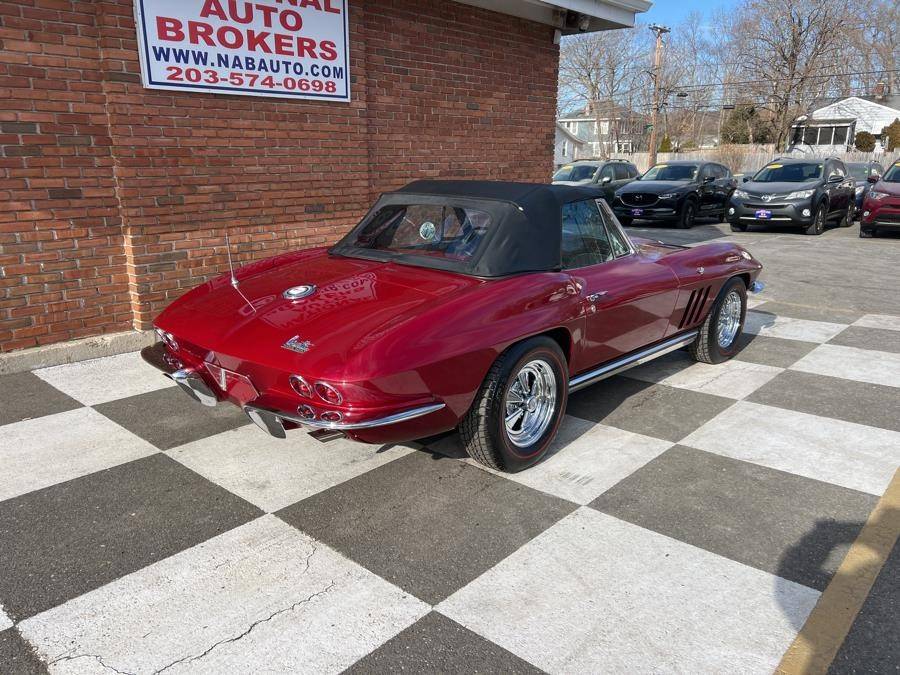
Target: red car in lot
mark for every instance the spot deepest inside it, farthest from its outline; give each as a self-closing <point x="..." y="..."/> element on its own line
<point x="452" y="304"/>
<point x="881" y="206"/>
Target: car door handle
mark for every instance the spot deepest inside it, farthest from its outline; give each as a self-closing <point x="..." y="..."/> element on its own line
<point x="594" y="297"/>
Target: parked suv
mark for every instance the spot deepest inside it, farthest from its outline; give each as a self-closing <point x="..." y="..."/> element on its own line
<point x="864" y="174"/>
<point x="608" y="175"/>
<point x="881" y="208"/>
<point x="802" y="192"/>
<point x="676" y="192"/>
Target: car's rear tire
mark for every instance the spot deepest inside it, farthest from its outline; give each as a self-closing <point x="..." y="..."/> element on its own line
<point x="688" y="214"/>
<point x="518" y="409"/>
<point x="739" y="227"/>
<point x="817" y="226"/>
<point x="847" y="218"/>
<point x="718" y="338"/>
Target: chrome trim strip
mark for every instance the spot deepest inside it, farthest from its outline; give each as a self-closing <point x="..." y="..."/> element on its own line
<point x="194" y="386"/>
<point x="396" y="418"/>
<point x="626" y="362"/>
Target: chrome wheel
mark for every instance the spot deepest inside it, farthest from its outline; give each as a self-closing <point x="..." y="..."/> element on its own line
<point x="729" y="319"/>
<point x="530" y="403"/>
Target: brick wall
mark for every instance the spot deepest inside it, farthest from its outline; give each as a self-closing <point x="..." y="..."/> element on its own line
<point x="114" y="199"/>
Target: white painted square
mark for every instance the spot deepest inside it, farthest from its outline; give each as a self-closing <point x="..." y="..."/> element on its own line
<point x="106" y="379"/>
<point x="5" y="621"/>
<point x="852" y="363"/>
<point x="263" y="595"/>
<point x="770" y="325"/>
<point x="731" y="379"/>
<point x="273" y="473"/>
<point x="593" y="594"/>
<point x="584" y="460"/>
<point x="843" y="453"/>
<point x="48" y="450"/>
<point x="884" y="321"/>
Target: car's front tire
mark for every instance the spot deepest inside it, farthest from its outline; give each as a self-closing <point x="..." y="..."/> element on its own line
<point x="866" y="234"/>
<point x="624" y="222"/>
<point x="518" y="409"/>
<point x="817" y="226"/>
<point x="739" y="227"/>
<point x="718" y="337"/>
<point x="688" y="214"/>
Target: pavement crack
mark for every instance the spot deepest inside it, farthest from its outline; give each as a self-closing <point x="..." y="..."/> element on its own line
<point x="96" y="657"/>
<point x="252" y="626"/>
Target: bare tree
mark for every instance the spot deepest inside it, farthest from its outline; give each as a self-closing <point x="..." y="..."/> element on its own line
<point x="599" y="71"/>
<point x="789" y="53"/>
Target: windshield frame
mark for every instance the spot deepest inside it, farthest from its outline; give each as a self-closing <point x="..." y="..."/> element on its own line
<point x="892" y="175"/>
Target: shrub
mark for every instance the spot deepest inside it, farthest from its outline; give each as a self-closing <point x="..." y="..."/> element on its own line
<point x="666" y="145"/>
<point x="864" y="141"/>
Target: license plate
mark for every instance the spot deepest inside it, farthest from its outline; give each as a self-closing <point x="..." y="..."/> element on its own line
<point x="232" y="383"/>
<point x="637" y="212"/>
<point x="763" y="214"/>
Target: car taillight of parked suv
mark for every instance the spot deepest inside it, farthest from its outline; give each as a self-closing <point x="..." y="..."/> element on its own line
<point x="881" y="207"/>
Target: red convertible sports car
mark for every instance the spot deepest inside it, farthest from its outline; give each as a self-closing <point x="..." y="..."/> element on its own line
<point x="452" y="304"/>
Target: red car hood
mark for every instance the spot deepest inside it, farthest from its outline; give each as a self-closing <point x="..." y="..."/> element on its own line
<point x="355" y="302"/>
<point x="891" y="188"/>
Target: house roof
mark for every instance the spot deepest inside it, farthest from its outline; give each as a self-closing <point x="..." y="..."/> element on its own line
<point x="572" y="137"/>
<point x="870" y="115"/>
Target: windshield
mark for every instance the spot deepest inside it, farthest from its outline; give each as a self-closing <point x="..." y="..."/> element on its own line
<point x="671" y="172"/>
<point x="434" y="230"/>
<point x="858" y="171"/>
<point x="797" y="172"/>
<point x="893" y="174"/>
<point x="575" y="172"/>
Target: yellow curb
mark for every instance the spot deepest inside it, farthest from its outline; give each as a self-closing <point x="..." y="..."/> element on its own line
<point x="828" y="624"/>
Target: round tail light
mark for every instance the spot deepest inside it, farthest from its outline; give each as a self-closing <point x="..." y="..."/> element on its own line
<point x="301" y="386"/>
<point x="328" y="393"/>
<point x="331" y="416"/>
<point x="306" y="412"/>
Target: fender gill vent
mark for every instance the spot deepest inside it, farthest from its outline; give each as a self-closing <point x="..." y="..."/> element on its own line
<point x="694" y="308"/>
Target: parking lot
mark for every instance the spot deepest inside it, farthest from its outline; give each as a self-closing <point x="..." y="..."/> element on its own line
<point x="689" y="519"/>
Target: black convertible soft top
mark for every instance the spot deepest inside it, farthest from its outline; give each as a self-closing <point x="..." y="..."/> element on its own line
<point x="527" y="223"/>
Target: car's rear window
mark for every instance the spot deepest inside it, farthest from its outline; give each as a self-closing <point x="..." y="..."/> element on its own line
<point x="795" y="172"/>
<point x="441" y="231"/>
<point x="858" y="171"/>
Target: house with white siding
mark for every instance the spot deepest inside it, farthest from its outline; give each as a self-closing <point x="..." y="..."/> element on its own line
<point x="567" y="147"/>
<point x="833" y="128"/>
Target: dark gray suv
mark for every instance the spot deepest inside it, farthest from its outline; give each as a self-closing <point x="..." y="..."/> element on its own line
<point x="802" y="192"/>
<point x="609" y="175"/>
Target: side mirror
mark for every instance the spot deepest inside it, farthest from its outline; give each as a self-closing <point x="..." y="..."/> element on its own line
<point x="605" y="180"/>
<point x="873" y="178"/>
<point x="835" y="178"/>
<point x="709" y="179"/>
<point x="745" y="179"/>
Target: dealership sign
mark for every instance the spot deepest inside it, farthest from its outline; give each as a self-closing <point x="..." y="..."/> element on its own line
<point x="286" y="48"/>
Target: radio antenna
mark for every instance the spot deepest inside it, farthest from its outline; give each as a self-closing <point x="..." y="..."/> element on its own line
<point x="234" y="279"/>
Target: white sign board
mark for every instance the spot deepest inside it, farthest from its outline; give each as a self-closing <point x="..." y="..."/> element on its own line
<point x="286" y="48"/>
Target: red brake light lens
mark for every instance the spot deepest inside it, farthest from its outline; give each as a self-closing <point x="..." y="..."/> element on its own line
<point x="328" y="393"/>
<point x="301" y="386"/>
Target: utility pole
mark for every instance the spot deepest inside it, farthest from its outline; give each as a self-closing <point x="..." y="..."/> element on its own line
<point x="654" y="113"/>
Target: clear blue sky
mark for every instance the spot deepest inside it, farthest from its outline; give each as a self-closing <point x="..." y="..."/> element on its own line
<point x="670" y="12"/>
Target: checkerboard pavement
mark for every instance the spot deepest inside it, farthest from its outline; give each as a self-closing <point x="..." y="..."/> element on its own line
<point x="688" y="520"/>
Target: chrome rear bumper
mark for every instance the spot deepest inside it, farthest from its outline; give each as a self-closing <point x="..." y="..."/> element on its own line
<point x="190" y="383"/>
<point x="272" y="421"/>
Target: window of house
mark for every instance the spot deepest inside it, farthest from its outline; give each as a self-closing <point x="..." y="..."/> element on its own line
<point x="584" y="237"/>
<point x="825" y="135"/>
<point x="840" y="135"/>
<point x="810" y="135"/>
